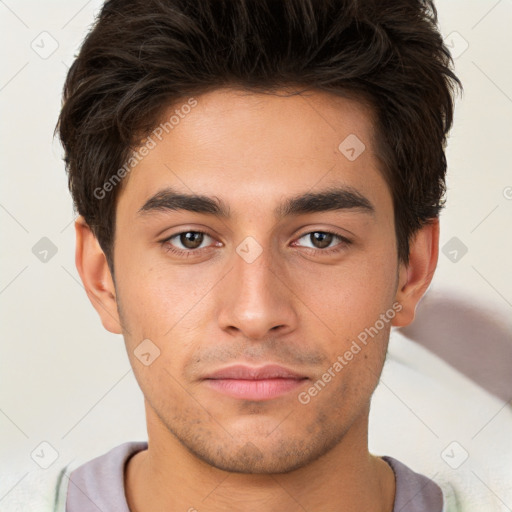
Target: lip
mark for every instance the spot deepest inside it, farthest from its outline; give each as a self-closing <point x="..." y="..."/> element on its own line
<point x="243" y="372"/>
<point x="255" y="383"/>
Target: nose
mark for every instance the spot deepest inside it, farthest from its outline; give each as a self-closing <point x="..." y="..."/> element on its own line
<point x="256" y="300"/>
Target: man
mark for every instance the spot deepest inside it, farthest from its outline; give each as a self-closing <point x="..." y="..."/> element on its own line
<point x="258" y="184"/>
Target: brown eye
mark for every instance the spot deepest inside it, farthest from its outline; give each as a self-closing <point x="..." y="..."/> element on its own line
<point x="318" y="239"/>
<point x="188" y="240"/>
<point x="191" y="239"/>
<point x="321" y="239"/>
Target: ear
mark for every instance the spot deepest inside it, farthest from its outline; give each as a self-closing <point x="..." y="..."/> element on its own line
<point x="92" y="266"/>
<point x="415" y="277"/>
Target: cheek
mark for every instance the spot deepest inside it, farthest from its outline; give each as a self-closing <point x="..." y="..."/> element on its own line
<point x="168" y="307"/>
<point x="348" y="298"/>
<point x="159" y="299"/>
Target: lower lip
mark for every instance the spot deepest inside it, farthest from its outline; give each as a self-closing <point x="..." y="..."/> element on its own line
<point x="264" y="389"/>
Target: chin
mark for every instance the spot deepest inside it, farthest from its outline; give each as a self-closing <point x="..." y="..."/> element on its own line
<point x="260" y="454"/>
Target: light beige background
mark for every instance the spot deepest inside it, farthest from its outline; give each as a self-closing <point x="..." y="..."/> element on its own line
<point x="65" y="380"/>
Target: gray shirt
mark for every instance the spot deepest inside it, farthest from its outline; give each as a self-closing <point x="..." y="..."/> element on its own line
<point x="99" y="484"/>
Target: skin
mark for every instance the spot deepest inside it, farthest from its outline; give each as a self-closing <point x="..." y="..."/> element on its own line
<point x="294" y="305"/>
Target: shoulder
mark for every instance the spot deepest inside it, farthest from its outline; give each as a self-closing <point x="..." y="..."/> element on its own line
<point x="418" y="493"/>
<point x="51" y="489"/>
<point x="99" y="483"/>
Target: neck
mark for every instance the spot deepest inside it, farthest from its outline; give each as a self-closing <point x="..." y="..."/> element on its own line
<point x="348" y="478"/>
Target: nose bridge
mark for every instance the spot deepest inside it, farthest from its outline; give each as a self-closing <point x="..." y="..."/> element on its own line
<point x="255" y="299"/>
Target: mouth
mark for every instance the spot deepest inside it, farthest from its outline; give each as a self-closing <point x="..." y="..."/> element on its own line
<point x="250" y="383"/>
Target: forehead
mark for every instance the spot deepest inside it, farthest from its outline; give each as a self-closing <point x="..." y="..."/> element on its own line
<point x="258" y="145"/>
<point x="294" y="125"/>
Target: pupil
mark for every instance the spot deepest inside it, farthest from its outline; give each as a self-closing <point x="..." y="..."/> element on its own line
<point x="321" y="240"/>
<point x="191" y="239"/>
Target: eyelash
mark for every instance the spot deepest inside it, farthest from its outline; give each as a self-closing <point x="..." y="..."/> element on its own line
<point x="344" y="242"/>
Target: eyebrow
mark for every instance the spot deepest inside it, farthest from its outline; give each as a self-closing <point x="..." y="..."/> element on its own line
<point x="330" y="199"/>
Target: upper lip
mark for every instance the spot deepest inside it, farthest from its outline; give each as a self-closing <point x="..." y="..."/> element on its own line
<point x="242" y="372"/>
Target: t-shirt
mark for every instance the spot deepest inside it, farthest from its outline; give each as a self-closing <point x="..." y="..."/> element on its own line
<point x="99" y="485"/>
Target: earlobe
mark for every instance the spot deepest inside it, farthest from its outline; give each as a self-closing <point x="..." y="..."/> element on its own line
<point x="92" y="266"/>
<point x="415" y="277"/>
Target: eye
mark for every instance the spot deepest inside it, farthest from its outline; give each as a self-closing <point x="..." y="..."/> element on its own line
<point x="187" y="241"/>
<point x="323" y="241"/>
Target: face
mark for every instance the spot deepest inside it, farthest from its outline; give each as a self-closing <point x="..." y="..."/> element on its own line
<point x="269" y="267"/>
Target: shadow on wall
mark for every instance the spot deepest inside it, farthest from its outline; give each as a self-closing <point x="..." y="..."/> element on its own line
<point x="475" y="338"/>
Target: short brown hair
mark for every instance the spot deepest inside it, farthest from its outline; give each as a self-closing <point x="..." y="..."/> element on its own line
<point x="144" y="55"/>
